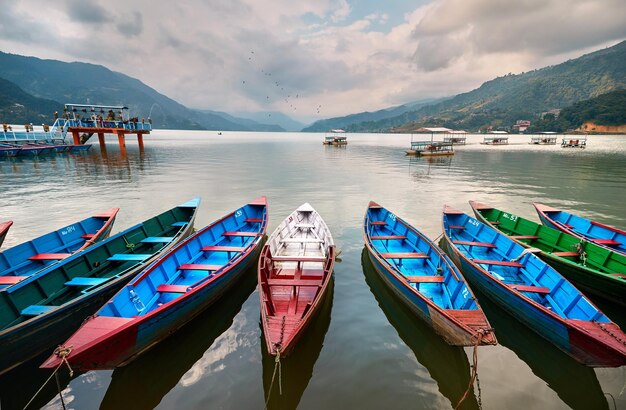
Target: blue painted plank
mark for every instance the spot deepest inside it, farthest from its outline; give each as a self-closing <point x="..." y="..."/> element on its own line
<point x="123" y="257"/>
<point x="82" y="281"/>
<point x="157" y="239"/>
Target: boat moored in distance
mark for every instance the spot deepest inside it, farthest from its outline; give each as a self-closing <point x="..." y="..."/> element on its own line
<point x="335" y="139"/>
<point x="20" y="261"/>
<point x="424" y="278"/>
<point x="532" y="291"/>
<point x="41" y="311"/>
<point x="170" y="292"/>
<point x="574" y="142"/>
<point x="544" y="138"/>
<point x="4" y="229"/>
<point x="9" y="150"/>
<point x="495" y="141"/>
<point x="604" y="235"/>
<point x="295" y="268"/>
<point x="431" y="148"/>
<point x="590" y="267"/>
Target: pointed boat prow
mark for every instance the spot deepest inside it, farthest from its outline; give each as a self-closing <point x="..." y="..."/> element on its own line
<point x="448" y="210"/>
<point x="260" y="201"/>
<point x="479" y="206"/>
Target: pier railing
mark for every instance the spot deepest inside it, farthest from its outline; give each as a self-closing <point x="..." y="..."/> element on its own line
<point x="58" y="130"/>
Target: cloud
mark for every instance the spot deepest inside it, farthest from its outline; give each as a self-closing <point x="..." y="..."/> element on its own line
<point x="227" y="55"/>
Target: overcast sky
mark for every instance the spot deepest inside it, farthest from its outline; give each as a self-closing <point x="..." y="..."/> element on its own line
<point x="311" y="59"/>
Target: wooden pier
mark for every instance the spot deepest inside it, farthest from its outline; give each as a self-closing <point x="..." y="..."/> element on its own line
<point x="101" y="120"/>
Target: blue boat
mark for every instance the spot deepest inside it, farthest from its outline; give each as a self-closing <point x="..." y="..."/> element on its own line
<point x="9" y="150"/>
<point x="424" y="278"/>
<point x="170" y="292"/>
<point x="607" y="236"/>
<point x="44" y="309"/>
<point x="21" y="261"/>
<point x="532" y="291"/>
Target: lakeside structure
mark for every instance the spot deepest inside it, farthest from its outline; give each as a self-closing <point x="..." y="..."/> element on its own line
<point x="81" y="121"/>
<point x="574" y="142"/>
<point x="499" y="140"/>
<point x="544" y="138"/>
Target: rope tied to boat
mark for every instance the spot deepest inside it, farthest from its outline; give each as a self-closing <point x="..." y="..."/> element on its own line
<point x="129" y="245"/>
<point x="480" y="333"/>
<point x="524" y="252"/>
<point x="277" y="366"/>
<point x="61" y="352"/>
<point x="580" y="248"/>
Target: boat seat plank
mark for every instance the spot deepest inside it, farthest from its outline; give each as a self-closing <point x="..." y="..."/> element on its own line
<point x="470" y="243"/>
<point x="197" y="266"/>
<point x="172" y="288"/>
<point x="498" y="263"/>
<point x="125" y="257"/>
<point x="494" y="222"/>
<point x="287" y="258"/>
<point x="456" y="227"/>
<point x="239" y="233"/>
<point x="294" y="282"/>
<point x="180" y="223"/>
<point x="523" y="236"/>
<point x="301" y="240"/>
<point x="88" y="236"/>
<point x="609" y="242"/>
<point x="405" y="255"/>
<point x="157" y="239"/>
<point x="35" y="310"/>
<point x="49" y="256"/>
<point x="568" y="226"/>
<point x="304" y="226"/>
<point x="381" y="223"/>
<point x="387" y="237"/>
<point x="85" y="281"/>
<point x="223" y="249"/>
<point x="11" y="280"/>
<point x="425" y="279"/>
<point x="566" y="254"/>
<point x="253" y="220"/>
<point x="533" y="289"/>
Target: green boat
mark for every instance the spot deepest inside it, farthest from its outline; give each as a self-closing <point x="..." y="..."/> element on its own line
<point x="44" y="309"/>
<point x="593" y="268"/>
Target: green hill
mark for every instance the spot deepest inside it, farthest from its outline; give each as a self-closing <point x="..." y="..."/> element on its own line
<point x="19" y="107"/>
<point x="502" y="101"/>
<point x="606" y="109"/>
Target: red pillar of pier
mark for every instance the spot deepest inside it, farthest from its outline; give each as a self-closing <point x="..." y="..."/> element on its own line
<point x="140" y="140"/>
<point x="122" y="141"/>
<point x="76" y="137"/>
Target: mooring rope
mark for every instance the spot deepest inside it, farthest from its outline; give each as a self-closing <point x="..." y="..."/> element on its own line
<point x="61" y="352"/>
<point x="479" y="337"/>
<point x="280" y="387"/>
<point x="129" y="245"/>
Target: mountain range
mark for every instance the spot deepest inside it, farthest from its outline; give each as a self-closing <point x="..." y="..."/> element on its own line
<point x="31" y="89"/>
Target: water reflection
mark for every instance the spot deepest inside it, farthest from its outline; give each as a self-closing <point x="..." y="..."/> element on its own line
<point x="576" y="384"/>
<point x="143" y="383"/>
<point x="447" y="365"/>
<point x="18" y="386"/>
<point x="297" y="369"/>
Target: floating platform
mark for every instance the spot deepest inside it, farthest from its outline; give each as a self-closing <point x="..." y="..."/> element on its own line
<point x="574" y="143"/>
<point x="431" y="148"/>
<point x="495" y="141"/>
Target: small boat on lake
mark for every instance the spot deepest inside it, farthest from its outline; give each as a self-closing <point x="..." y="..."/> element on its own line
<point x="544" y="138"/>
<point x="170" y="292"/>
<point x="424" y="278"/>
<point x="495" y="141"/>
<point x="574" y="142"/>
<point x="604" y="235"/>
<point x="20" y="261"/>
<point x="41" y="311"/>
<point x="4" y="229"/>
<point x="335" y="139"/>
<point x="532" y="291"/>
<point x="430" y="148"/>
<point x="9" y="150"/>
<point x="592" y="268"/>
<point x="295" y="268"/>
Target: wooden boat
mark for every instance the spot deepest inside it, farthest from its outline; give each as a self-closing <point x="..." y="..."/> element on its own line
<point x="41" y="311"/>
<point x="334" y="139"/>
<point x="170" y="292"/>
<point x="590" y="267"/>
<point x="419" y="273"/>
<point x="532" y="291"/>
<point x="21" y="261"/>
<point x="9" y="150"/>
<point x="430" y="148"/>
<point x="4" y="229"/>
<point x="294" y="270"/>
<point x="592" y="231"/>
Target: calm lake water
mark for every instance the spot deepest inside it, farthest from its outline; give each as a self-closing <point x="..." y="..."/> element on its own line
<point x="364" y="350"/>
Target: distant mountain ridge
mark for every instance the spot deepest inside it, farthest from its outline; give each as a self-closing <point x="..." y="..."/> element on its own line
<point x="78" y="82"/>
<point x="363" y="119"/>
<point x="502" y="101"/>
<point x="19" y="107"/>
